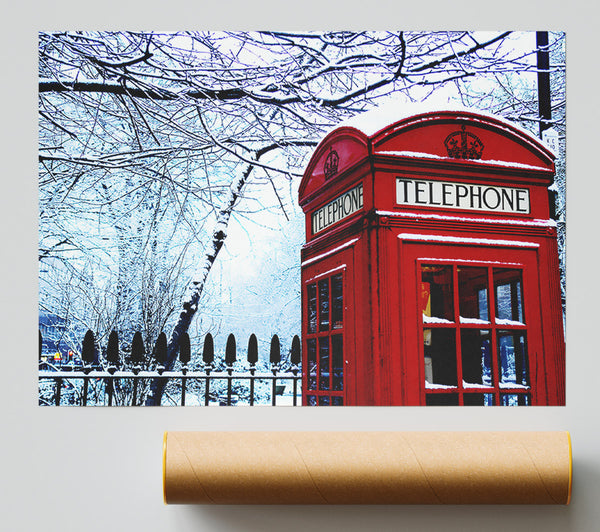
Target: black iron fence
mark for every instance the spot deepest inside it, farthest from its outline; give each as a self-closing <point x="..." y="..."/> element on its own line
<point x="111" y="377"/>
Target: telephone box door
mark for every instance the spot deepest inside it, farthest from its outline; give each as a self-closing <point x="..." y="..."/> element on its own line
<point x="477" y="313"/>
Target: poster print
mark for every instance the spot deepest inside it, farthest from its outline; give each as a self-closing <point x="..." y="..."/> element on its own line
<point x="268" y="218"/>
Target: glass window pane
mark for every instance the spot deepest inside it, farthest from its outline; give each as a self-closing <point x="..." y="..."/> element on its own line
<point x="512" y="358"/>
<point x="323" y="400"/>
<point x="473" y="294"/>
<point x="441" y="399"/>
<point x="478" y="399"/>
<point x="503" y="302"/>
<point x="436" y="293"/>
<point x="337" y="401"/>
<point x="484" y="313"/>
<point x="311" y="345"/>
<point x="476" y="353"/>
<point x="324" y="305"/>
<point x="311" y="400"/>
<point x="514" y="399"/>
<point x="337" y="302"/>
<point x="440" y="357"/>
<point x="324" y="363"/>
<point x="311" y="299"/>
<point x="337" y="362"/>
<point x="509" y="299"/>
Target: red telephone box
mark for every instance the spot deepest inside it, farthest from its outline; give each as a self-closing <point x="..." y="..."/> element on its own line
<point x="430" y="271"/>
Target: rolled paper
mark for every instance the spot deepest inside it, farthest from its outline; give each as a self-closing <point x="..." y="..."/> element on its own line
<point x="367" y="467"/>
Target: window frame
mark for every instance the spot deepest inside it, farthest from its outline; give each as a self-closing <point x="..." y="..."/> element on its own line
<point x="523" y="393"/>
<point x="328" y="333"/>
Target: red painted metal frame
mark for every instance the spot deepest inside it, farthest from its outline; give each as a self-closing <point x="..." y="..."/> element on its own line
<point x="318" y="334"/>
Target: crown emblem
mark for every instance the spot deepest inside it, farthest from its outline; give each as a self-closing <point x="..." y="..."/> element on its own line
<point x="463" y="145"/>
<point x="330" y="167"/>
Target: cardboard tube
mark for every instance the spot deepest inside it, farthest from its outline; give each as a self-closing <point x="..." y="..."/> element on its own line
<point x="367" y="467"/>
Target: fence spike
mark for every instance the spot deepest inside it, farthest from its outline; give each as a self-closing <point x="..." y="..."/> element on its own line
<point x="208" y="353"/>
<point x="230" y="350"/>
<point x="160" y="350"/>
<point x="137" y="350"/>
<point x="184" y="349"/>
<point x="275" y="354"/>
<point x="112" y="349"/>
<point x="88" y="348"/>
<point x="252" y="350"/>
<point x="295" y="357"/>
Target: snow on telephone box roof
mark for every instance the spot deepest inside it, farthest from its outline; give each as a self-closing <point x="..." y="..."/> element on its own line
<point x="372" y="121"/>
<point x="429" y="134"/>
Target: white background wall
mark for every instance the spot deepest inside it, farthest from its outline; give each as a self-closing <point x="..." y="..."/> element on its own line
<point x="99" y="469"/>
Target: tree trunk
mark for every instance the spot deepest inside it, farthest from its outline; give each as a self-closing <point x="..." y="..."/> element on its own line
<point x="196" y="285"/>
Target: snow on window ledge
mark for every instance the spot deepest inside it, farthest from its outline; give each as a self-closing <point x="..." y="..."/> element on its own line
<point x="508" y="322"/>
<point x="432" y="386"/>
<point x="474" y="321"/>
<point x="433" y="319"/>
<point x="513" y="386"/>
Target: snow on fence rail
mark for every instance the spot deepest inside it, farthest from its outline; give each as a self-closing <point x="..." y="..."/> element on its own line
<point x="116" y="378"/>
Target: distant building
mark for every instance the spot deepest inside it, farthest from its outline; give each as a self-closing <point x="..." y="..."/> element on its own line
<point x="56" y="346"/>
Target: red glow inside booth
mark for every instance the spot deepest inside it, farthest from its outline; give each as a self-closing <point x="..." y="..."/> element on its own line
<point x="430" y="270"/>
